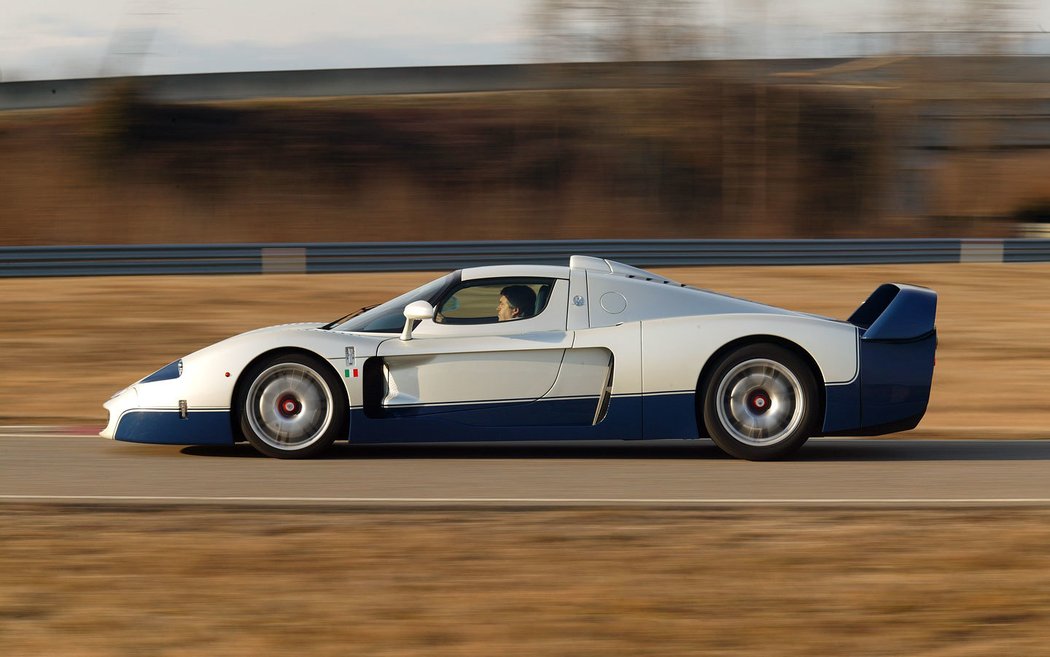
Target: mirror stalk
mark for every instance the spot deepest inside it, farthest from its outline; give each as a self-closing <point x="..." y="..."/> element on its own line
<point x="415" y="311"/>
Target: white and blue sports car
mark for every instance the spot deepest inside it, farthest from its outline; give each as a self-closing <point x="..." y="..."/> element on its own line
<point x="595" y="350"/>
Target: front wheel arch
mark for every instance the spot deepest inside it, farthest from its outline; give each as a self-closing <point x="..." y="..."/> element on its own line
<point x="242" y="382"/>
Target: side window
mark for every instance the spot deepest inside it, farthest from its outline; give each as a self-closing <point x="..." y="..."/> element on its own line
<point x="491" y="300"/>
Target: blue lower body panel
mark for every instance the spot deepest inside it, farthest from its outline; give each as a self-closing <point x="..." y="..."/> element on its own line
<point x="891" y="393"/>
<point x="550" y="419"/>
<point x="167" y="428"/>
<point x="842" y="407"/>
<point x="895" y="380"/>
<point x="671" y="415"/>
<point x="543" y="412"/>
<point x="628" y="417"/>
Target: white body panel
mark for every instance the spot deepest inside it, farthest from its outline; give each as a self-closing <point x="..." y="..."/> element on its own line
<point x="675" y="350"/>
<point x="210" y="374"/>
<point x="624" y="342"/>
<point x="584" y="373"/>
<point x="465" y="370"/>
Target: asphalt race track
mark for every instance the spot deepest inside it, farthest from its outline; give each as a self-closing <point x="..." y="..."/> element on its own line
<point x="89" y="469"/>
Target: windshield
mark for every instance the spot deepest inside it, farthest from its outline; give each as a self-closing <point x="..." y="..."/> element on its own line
<point x="389" y="317"/>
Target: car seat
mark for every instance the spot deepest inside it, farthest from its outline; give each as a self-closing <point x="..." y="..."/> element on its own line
<point x="541" y="298"/>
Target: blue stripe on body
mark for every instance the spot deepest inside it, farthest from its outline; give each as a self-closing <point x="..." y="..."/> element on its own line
<point x="545" y="419"/>
<point x="165" y="427"/>
<point x="666" y="416"/>
<point x="629" y="417"/>
<point x="562" y="411"/>
<point x="842" y="406"/>
<point x="670" y="415"/>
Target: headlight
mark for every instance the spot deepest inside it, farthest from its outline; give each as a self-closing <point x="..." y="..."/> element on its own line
<point x="169" y="371"/>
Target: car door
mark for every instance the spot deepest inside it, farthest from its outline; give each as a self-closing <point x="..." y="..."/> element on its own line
<point x="469" y="367"/>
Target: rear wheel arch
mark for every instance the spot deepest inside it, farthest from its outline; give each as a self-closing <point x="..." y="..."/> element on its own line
<point x="704" y="380"/>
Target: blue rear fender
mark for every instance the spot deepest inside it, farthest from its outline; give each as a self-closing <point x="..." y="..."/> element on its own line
<point x="898" y="341"/>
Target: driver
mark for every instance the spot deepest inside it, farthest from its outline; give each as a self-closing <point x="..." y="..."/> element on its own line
<point x="516" y="302"/>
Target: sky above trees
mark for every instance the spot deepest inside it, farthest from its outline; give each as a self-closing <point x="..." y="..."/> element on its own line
<point x="48" y="39"/>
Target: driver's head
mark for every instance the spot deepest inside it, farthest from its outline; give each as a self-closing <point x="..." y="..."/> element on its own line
<point x="515" y="302"/>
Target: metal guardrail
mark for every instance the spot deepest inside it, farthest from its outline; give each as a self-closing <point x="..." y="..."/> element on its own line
<point x="197" y="87"/>
<point x="37" y="261"/>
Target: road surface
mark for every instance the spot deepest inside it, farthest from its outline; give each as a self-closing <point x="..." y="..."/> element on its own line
<point x="42" y="467"/>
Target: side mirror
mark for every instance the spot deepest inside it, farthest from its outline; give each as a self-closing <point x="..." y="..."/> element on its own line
<point x="414" y="312"/>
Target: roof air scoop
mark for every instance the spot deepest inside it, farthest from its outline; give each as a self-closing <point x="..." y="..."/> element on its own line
<point x="602" y="266"/>
<point x="590" y="264"/>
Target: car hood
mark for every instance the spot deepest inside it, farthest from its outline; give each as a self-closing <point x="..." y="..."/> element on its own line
<point x="239" y="349"/>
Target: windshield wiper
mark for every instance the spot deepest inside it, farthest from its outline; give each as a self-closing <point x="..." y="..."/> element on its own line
<point x="362" y="309"/>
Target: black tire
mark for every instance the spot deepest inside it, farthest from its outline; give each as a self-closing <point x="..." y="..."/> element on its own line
<point x="291" y="406"/>
<point x="760" y="402"/>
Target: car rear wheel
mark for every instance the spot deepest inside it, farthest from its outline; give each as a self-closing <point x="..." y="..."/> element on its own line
<point x="760" y="402"/>
<point x="291" y="406"/>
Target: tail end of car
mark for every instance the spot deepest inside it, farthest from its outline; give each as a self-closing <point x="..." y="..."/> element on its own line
<point x="897" y="333"/>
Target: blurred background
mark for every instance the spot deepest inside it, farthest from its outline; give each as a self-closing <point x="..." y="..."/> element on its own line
<point x="563" y="119"/>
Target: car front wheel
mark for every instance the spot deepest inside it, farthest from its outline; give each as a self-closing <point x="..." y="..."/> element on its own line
<point x="760" y="402"/>
<point x="291" y="406"/>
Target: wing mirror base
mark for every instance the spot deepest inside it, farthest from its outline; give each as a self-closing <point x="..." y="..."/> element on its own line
<point x="414" y="312"/>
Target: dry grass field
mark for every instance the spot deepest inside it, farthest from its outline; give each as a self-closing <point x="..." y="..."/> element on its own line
<point x="89" y="582"/>
<point x="67" y="344"/>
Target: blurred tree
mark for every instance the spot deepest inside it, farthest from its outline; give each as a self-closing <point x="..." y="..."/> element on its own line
<point x="915" y="26"/>
<point x="132" y="40"/>
<point x="617" y="30"/>
<point x="112" y="118"/>
<point x="989" y="22"/>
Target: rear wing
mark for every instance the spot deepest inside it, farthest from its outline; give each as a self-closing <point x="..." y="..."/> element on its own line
<point x="895" y="311"/>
